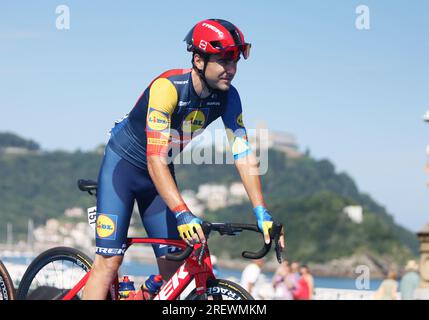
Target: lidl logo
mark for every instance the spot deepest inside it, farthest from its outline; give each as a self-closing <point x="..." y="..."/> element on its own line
<point x="194" y="121"/>
<point x="106" y="226"/>
<point x="240" y="120"/>
<point x="157" y="120"/>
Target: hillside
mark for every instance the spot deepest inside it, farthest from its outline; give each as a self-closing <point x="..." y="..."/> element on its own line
<point x="307" y="195"/>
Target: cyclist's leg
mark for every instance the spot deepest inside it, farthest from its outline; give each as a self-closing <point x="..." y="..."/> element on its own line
<point x="115" y="201"/>
<point x="160" y="222"/>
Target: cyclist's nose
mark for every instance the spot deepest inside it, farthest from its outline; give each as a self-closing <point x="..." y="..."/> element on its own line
<point x="231" y="68"/>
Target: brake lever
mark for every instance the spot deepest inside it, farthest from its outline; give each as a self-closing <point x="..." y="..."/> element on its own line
<point x="201" y="253"/>
<point x="277" y="229"/>
<point x="278" y="251"/>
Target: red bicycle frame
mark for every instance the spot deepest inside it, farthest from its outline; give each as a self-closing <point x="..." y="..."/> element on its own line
<point x="190" y="269"/>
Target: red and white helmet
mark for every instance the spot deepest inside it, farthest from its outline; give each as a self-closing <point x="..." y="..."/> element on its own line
<point x="217" y="36"/>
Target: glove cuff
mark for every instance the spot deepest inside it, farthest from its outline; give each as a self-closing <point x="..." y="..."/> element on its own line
<point x="181" y="208"/>
<point x="259" y="210"/>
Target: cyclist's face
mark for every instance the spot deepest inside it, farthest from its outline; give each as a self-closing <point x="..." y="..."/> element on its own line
<point x="220" y="72"/>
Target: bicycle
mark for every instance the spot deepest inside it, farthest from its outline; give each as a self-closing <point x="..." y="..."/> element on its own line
<point x="7" y="290"/>
<point x="196" y="266"/>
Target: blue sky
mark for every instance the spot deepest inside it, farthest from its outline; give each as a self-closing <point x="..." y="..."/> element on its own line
<point x="356" y="97"/>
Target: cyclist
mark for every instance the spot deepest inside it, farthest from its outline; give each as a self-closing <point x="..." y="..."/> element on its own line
<point x="175" y="107"/>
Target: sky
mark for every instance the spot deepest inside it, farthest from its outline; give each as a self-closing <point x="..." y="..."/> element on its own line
<point x="353" y="96"/>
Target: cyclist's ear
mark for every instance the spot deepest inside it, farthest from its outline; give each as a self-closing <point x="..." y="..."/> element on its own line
<point x="198" y="61"/>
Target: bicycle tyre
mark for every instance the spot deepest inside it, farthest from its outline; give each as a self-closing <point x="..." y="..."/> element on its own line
<point x="51" y="256"/>
<point x="7" y="290"/>
<point x="220" y="289"/>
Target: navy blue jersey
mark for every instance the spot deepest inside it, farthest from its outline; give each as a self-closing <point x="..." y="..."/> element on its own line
<point x="169" y="114"/>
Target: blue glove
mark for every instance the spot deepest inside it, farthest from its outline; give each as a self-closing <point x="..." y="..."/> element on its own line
<point x="265" y="221"/>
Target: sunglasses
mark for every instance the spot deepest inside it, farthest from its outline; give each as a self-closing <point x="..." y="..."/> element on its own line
<point x="233" y="52"/>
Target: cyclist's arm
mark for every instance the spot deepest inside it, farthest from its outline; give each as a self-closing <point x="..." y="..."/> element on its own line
<point x="247" y="168"/>
<point x="245" y="161"/>
<point x="162" y="101"/>
<point x="163" y="181"/>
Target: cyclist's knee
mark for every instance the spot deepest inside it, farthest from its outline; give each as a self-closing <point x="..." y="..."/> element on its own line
<point x="108" y="265"/>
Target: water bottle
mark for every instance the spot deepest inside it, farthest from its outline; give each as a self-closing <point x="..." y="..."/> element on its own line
<point x="151" y="286"/>
<point x="126" y="286"/>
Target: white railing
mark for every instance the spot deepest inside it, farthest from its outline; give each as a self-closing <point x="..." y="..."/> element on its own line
<point x="342" y="294"/>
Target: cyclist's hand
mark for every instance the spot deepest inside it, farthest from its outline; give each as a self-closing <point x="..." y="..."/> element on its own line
<point x="189" y="227"/>
<point x="265" y="223"/>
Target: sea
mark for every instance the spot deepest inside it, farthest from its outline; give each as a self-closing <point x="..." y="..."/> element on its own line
<point x="139" y="269"/>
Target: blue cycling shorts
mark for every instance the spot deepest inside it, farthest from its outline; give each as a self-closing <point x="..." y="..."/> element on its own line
<point x="120" y="184"/>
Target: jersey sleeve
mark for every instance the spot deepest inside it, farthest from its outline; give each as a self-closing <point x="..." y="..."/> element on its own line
<point x="235" y="130"/>
<point x="162" y="102"/>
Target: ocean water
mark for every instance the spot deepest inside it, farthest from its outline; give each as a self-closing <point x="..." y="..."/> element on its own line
<point x="134" y="268"/>
<point x="140" y="269"/>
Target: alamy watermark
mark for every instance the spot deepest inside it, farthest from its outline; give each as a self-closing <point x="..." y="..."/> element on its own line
<point x="363" y="279"/>
<point x="362" y="21"/>
<point x="213" y="147"/>
<point x="62" y="21"/>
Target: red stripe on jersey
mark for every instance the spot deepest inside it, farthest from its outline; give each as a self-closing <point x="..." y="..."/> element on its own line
<point x="172" y="72"/>
<point x="166" y="74"/>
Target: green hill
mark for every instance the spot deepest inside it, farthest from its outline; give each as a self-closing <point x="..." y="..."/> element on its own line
<point x="307" y="195"/>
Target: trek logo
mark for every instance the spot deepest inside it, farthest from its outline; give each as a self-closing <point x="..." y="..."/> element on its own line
<point x="184" y="103"/>
<point x="207" y="25"/>
<point x="110" y="251"/>
<point x="203" y="45"/>
<point x="172" y="284"/>
<point x="181" y="82"/>
<point x="170" y="249"/>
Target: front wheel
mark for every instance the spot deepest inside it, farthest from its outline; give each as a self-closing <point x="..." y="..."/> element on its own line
<point x="219" y="289"/>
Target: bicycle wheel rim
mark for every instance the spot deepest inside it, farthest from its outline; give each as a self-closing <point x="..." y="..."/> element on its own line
<point x="51" y="276"/>
<point x="220" y="289"/>
<point x="7" y="290"/>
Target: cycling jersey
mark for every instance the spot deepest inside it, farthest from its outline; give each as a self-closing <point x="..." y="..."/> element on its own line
<point x="170" y="113"/>
<point x="164" y="120"/>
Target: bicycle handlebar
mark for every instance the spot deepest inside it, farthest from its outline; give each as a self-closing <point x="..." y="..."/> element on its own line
<point x="223" y="228"/>
<point x="232" y="229"/>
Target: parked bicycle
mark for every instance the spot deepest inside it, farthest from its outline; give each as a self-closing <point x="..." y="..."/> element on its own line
<point x="61" y="273"/>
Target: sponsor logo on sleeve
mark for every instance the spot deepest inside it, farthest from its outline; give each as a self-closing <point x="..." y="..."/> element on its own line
<point x="240" y="120"/>
<point x="157" y="120"/>
<point x="157" y="141"/>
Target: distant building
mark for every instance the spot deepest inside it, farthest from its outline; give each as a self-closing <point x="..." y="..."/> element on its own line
<point x="214" y="195"/>
<point x="237" y="190"/>
<point x="191" y="200"/>
<point x="16" y="151"/>
<point x="278" y="140"/>
<point x="74" y="212"/>
<point x="263" y="138"/>
<point x="355" y="213"/>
